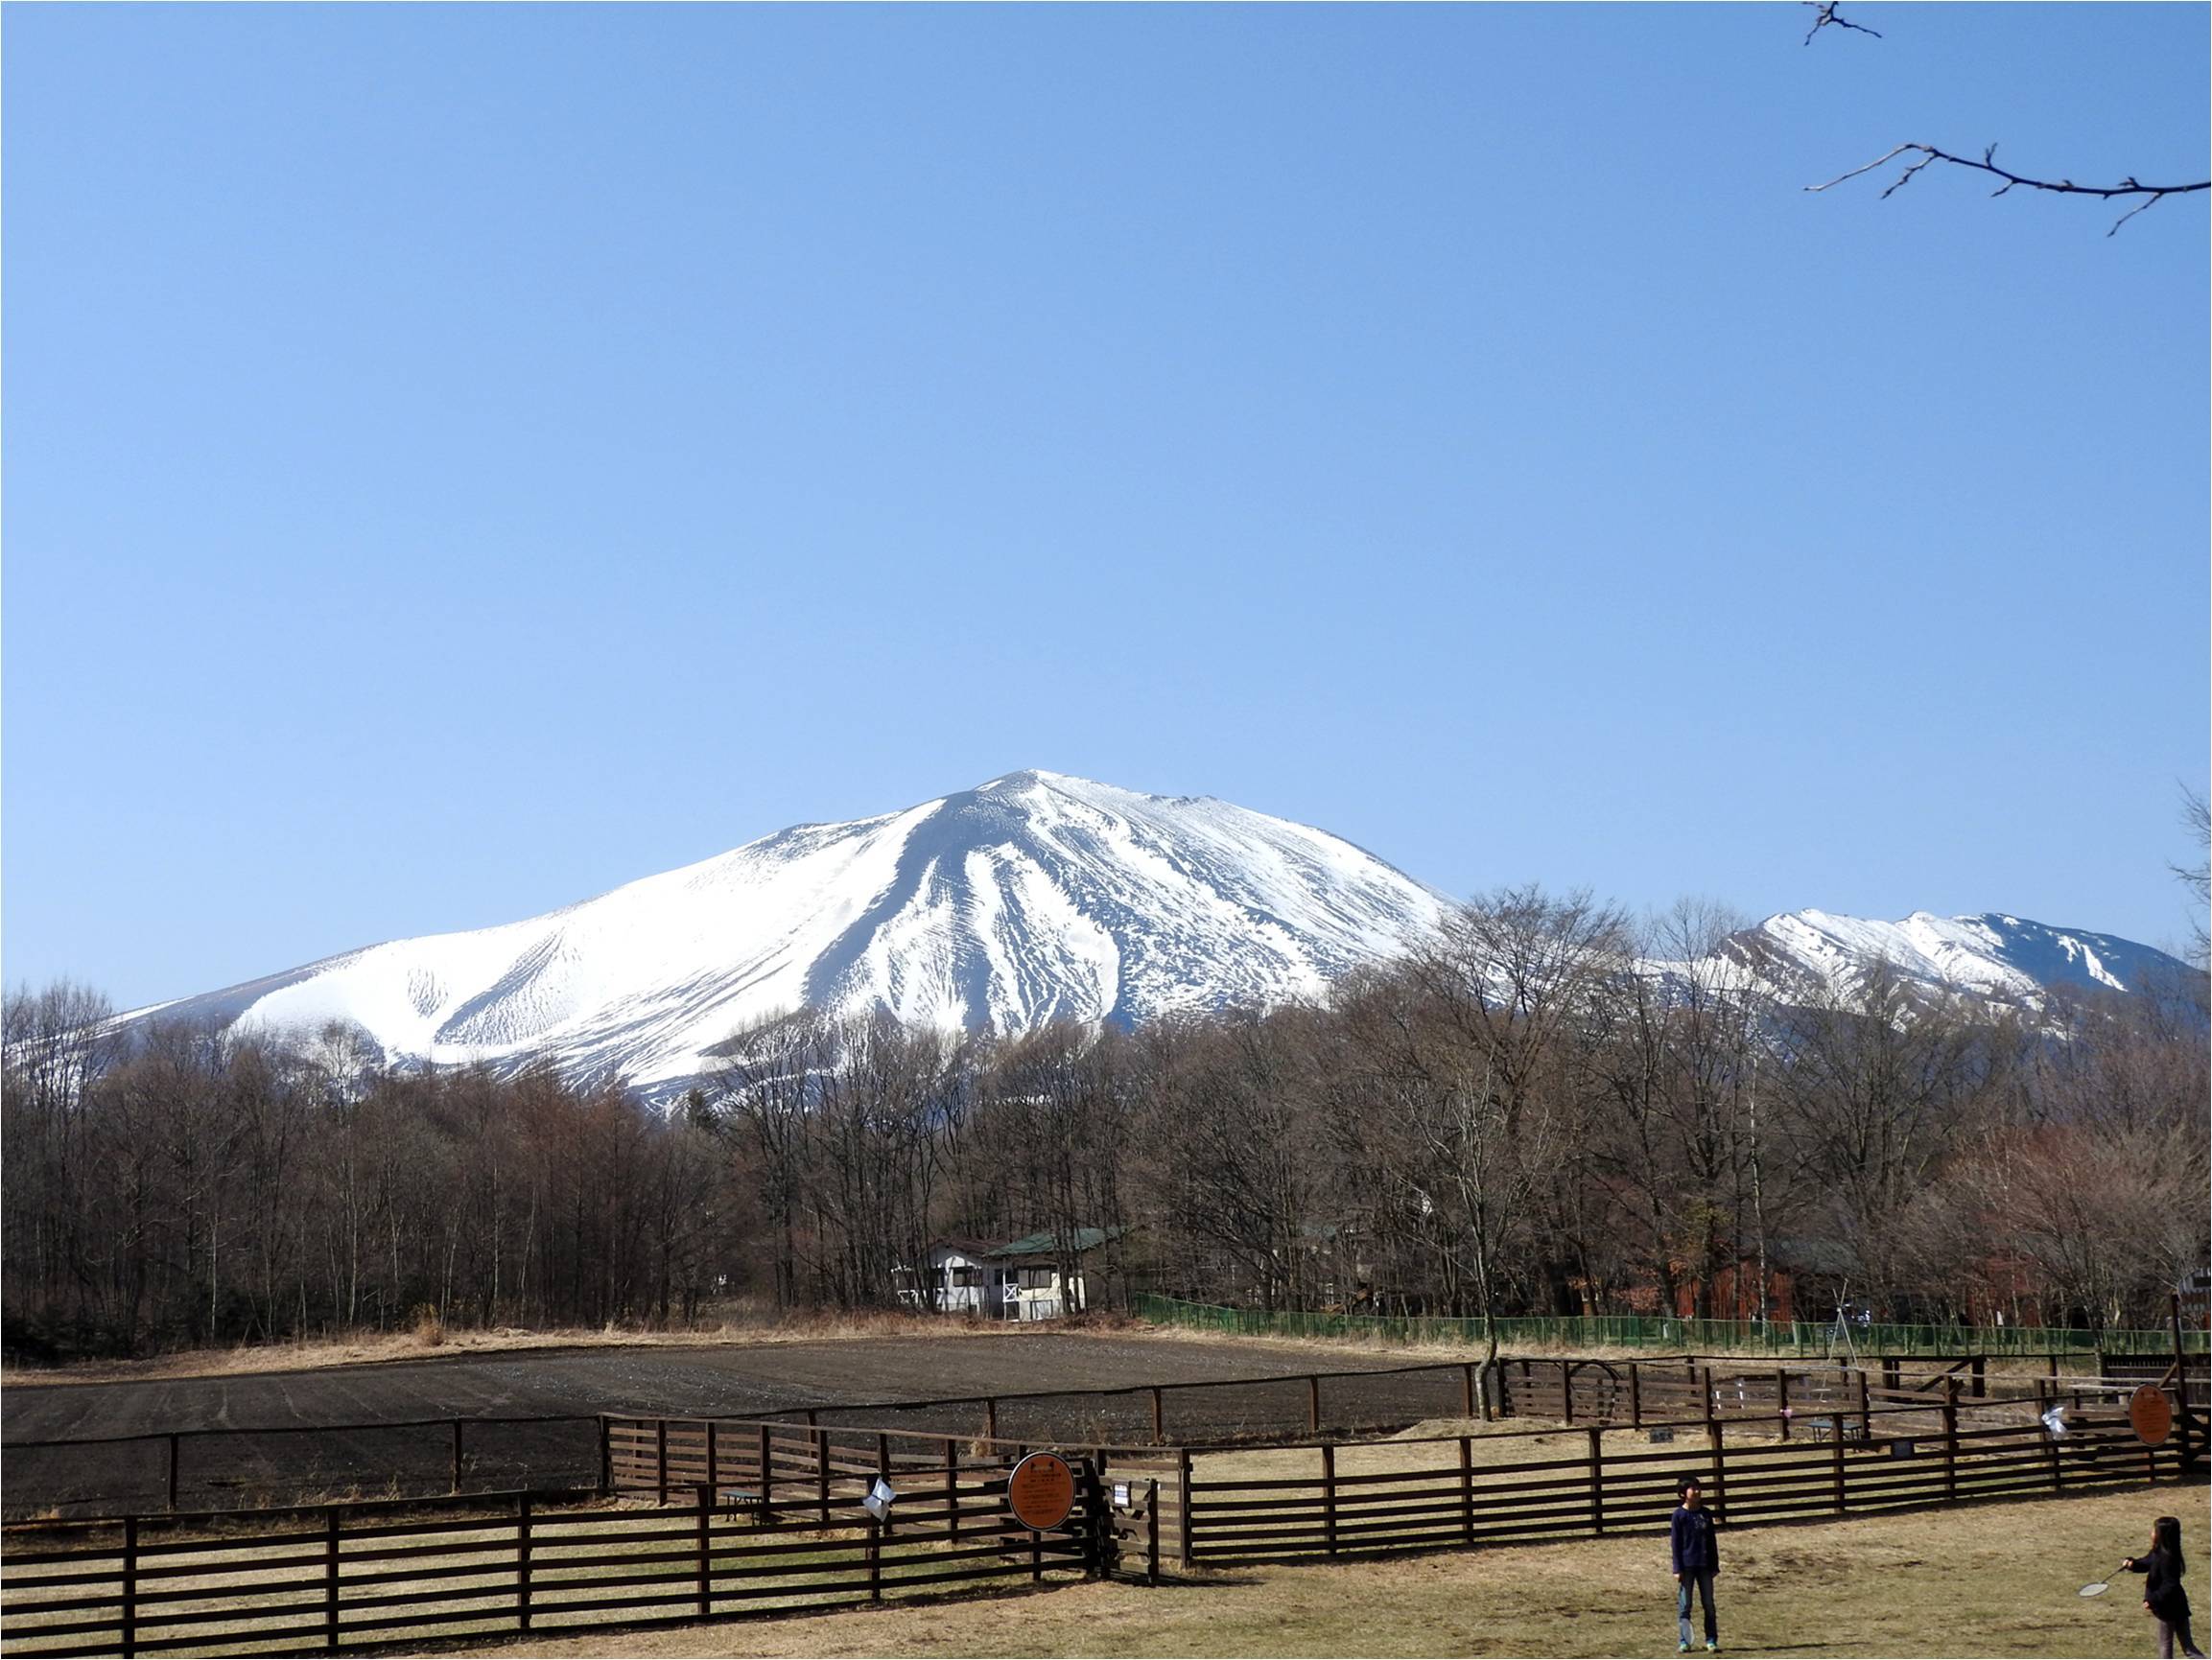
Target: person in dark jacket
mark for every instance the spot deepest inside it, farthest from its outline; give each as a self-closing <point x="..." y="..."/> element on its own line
<point x="2163" y="1593"/>
<point x="1697" y="1559"/>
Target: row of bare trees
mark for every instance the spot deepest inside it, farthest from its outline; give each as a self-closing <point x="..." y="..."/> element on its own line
<point x="1549" y="1110"/>
<point x="195" y="1186"/>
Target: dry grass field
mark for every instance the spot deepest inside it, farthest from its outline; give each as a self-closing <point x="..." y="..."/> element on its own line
<point x="1989" y="1579"/>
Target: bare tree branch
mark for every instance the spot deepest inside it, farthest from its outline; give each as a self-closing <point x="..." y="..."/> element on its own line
<point x="1929" y="154"/>
<point x="1829" y="18"/>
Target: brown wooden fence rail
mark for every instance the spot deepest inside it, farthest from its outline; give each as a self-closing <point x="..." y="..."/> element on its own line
<point x="198" y="1469"/>
<point x="800" y="1471"/>
<point x="1436" y="1495"/>
<point x="307" y="1578"/>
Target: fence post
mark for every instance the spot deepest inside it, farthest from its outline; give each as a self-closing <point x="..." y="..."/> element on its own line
<point x="1950" y="1437"/>
<point x="1782" y="1399"/>
<point x="767" y="1473"/>
<point x="706" y="1513"/>
<point x="1634" y="1395"/>
<point x="875" y="1560"/>
<point x="129" y="1585"/>
<point x="1467" y="1390"/>
<point x="1183" y="1498"/>
<point x="330" y="1523"/>
<point x="1865" y="1411"/>
<point x="1706" y="1394"/>
<point x="1159" y="1416"/>
<point x="1329" y="1498"/>
<point x="1567" y="1391"/>
<point x="455" y="1484"/>
<point x="1467" y="1488"/>
<point x="990" y="1418"/>
<point x="522" y="1562"/>
<point x="884" y="1471"/>
<point x="1981" y="1376"/>
<point x="1312" y="1405"/>
<point x="1152" y="1536"/>
<point x="1836" y="1447"/>
<point x="606" y="1456"/>
<point x="172" y="1475"/>
<point x="1713" y="1433"/>
<point x="822" y="1472"/>
<point x="2042" y="1405"/>
<point x="1596" y="1479"/>
<point x="660" y="1435"/>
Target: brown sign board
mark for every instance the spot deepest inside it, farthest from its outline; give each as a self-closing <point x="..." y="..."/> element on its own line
<point x="2152" y="1414"/>
<point x="1040" y="1491"/>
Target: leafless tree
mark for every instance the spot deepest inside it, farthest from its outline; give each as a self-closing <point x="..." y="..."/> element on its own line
<point x="1928" y="155"/>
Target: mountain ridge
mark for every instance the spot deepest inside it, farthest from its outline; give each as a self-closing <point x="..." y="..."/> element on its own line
<point x="1032" y="897"/>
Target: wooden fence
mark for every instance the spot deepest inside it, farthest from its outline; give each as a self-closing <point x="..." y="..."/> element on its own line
<point x="332" y="1577"/>
<point x="1912" y="1448"/>
<point x="715" y="1519"/>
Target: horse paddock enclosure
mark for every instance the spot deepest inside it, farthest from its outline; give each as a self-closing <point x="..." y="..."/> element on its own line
<point x="715" y="1518"/>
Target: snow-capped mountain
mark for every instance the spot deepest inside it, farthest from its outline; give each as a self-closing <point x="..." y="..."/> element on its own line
<point x="1031" y="897"/>
<point x="1998" y="958"/>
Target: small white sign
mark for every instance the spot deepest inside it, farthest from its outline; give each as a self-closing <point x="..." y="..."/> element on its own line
<point x="880" y="1497"/>
<point x="1121" y="1495"/>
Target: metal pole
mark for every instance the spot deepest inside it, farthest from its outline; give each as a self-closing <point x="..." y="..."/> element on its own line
<point x="455" y="1482"/>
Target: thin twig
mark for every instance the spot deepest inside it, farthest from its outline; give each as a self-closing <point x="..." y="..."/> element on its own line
<point x="1929" y="155"/>
<point x="1829" y="18"/>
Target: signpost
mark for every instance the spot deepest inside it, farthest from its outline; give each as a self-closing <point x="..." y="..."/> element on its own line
<point x="1040" y="1491"/>
<point x="2151" y="1415"/>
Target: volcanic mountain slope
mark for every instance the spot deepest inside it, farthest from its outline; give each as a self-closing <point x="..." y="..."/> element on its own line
<point x="1994" y="958"/>
<point x="1031" y="897"/>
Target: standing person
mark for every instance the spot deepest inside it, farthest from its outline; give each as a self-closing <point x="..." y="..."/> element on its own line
<point x="2163" y="1593"/>
<point x="1697" y="1559"/>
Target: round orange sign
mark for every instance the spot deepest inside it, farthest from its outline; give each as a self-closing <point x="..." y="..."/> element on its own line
<point x="2152" y="1414"/>
<point x="1040" y="1491"/>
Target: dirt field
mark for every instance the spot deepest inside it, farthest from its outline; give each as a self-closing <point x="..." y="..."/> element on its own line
<point x="692" y="1379"/>
<point x="1986" y="1579"/>
<point x="687" y="1380"/>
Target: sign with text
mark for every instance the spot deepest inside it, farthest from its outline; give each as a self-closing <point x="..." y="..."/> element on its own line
<point x="2152" y="1414"/>
<point x="1040" y="1491"/>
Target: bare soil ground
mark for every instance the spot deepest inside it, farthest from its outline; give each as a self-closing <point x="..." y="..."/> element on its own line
<point x="691" y="1379"/>
<point x="1986" y="1579"/>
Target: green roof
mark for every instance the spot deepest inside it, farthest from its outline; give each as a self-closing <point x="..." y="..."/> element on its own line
<point x="1051" y="1244"/>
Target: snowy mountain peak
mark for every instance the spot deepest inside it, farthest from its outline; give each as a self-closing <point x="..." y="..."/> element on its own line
<point x="2004" y="958"/>
<point x="1030" y="897"/>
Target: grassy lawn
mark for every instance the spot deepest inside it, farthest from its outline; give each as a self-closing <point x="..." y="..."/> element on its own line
<point x="1986" y="1579"/>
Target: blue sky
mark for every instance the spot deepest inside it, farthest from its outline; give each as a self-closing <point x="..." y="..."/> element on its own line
<point x="460" y="460"/>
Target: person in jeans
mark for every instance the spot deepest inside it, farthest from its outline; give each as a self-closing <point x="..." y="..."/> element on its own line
<point x="1697" y="1559"/>
<point x="2162" y="1594"/>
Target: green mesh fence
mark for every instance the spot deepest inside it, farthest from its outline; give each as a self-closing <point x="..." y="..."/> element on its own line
<point x="1651" y="1331"/>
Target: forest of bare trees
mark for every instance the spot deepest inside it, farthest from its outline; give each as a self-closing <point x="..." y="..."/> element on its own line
<point x="1529" y="1116"/>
